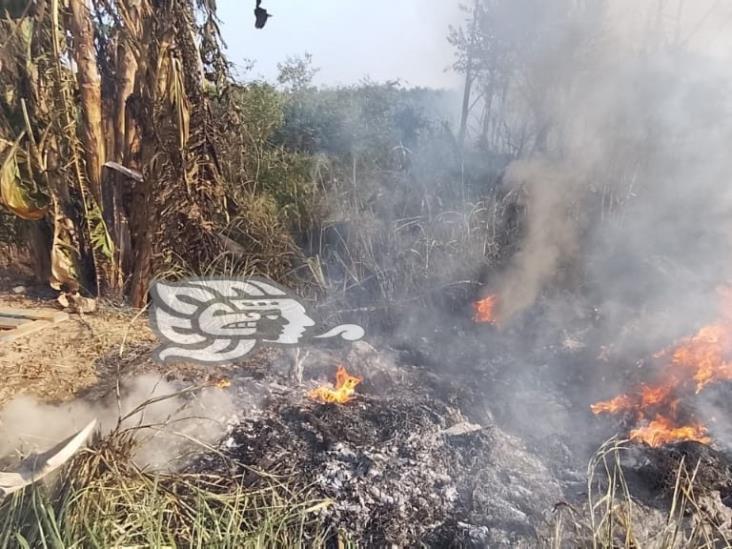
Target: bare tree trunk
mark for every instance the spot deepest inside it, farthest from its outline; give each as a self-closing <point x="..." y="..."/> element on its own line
<point x="126" y="69"/>
<point x="91" y="93"/>
<point x="465" y="111"/>
<point x="143" y="266"/>
<point x="141" y="132"/>
<point x="125" y="86"/>
<point x="142" y="223"/>
<point x="39" y="236"/>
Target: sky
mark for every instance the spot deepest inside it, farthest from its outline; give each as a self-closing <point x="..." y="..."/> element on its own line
<point x="348" y="39"/>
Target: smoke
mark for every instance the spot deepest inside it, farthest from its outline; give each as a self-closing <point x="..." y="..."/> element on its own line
<point x="626" y="181"/>
<point x="174" y="424"/>
<point x="551" y="235"/>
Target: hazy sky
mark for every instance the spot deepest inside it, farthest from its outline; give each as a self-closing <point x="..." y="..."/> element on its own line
<point x="349" y="39"/>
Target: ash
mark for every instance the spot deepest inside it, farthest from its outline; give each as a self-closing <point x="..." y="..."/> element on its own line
<point x="434" y="459"/>
<point x="400" y="464"/>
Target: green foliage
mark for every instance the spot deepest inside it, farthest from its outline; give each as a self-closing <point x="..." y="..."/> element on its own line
<point x="104" y="500"/>
<point x="359" y="190"/>
<point x="296" y="73"/>
<point x="100" y="239"/>
<point x="366" y="120"/>
<point x="266" y="166"/>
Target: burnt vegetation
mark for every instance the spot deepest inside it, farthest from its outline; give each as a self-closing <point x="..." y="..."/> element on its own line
<point x="547" y="243"/>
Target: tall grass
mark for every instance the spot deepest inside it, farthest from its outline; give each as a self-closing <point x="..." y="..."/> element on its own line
<point x="104" y="500"/>
<point x="613" y="518"/>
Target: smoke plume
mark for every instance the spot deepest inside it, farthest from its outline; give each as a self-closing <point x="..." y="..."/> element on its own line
<point x="27" y="425"/>
<point x="625" y="178"/>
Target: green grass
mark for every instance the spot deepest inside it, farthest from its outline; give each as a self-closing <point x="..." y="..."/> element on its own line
<point x="103" y="500"/>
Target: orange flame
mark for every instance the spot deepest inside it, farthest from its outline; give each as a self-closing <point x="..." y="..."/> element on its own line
<point x="484" y="310"/>
<point x="663" y="430"/>
<point x="220" y="382"/>
<point x="223" y="383"/>
<point x="344" y="388"/>
<point x="691" y="365"/>
<point x="620" y="403"/>
<point x="703" y="356"/>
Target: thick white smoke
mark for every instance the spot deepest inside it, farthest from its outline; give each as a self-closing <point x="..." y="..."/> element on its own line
<point x="27" y="425"/>
<point x="626" y="181"/>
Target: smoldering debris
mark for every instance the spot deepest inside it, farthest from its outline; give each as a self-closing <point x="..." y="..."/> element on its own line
<point x="399" y="464"/>
<point x="407" y="461"/>
<point x="397" y="470"/>
<point x="172" y="420"/>
<point x="417" y="455"/>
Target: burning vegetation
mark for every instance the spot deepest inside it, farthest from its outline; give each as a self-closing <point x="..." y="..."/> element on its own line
<point x="484" y="310"/>
<point x="581" y="178"/>
<point x="345" y="386"/>
<point x="659" y="409"/>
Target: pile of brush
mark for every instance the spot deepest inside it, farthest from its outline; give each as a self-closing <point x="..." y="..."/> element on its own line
<point x="398" y="462"/>
<point x="402" y="460"/>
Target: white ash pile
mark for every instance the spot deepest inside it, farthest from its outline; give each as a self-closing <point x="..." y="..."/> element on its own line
<point x="400" y="465"/>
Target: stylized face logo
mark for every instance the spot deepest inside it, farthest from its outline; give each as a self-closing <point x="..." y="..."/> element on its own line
<point x="214" y="321"/>
<point x="273" y="320"/>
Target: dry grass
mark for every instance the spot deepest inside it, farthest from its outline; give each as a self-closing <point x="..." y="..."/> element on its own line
<point x="613" y="518"/>
<point x="371" y="263"/>
<point x="56" y="363"/>
<point x="104" y="500"/>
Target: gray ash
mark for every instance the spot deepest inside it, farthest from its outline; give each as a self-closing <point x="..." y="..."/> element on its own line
<point x="402" y="469"/>
<point x="423" y="458"/>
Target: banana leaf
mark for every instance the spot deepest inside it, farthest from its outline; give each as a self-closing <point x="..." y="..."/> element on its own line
<point x="12" y="192"/>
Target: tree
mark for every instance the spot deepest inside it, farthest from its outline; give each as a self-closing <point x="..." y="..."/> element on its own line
<point x="138" y="107"/>
<point x="296" y="73"/>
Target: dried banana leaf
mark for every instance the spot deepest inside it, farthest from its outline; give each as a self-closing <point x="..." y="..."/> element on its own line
<point x="36" y="466"/>
<point x="12" y="193"/>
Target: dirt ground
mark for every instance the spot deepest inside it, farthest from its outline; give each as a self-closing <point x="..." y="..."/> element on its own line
<point x="67" y="358"/>
<point x="80" y="357"/>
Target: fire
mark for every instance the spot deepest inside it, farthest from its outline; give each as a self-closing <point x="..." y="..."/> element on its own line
<point x="220" y="382"/>
<point x="662" y="430"/>
<point x="223" y="383"/>
<point x="689" y="367"/>
<point x="484" y="310"/>
<point x="345" y="386"/>
<point x="704" y="356"/>
<point x="620" y="403"/>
